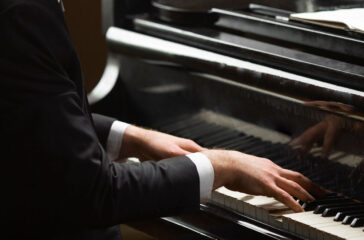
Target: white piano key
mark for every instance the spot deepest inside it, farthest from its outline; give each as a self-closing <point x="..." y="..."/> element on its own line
<point x="276" y="218"/>
<point x="290" y="221"/>
<point x="263" y="207"/>
<point x="301" y="222"/>
<point x="229" y="202"/>
<point x="340" y="231"/>
<point x="228" y="198"/>
<point x="292" y="227"/>
<point x="268" y="210"/>
<point x="316" y="227"/>
<point x="285" y="223"/>
<point x="240" y="206"/>
<point x="356" y="238"/>
<point x="236" y="196"/>
<point x="218" y="197"/>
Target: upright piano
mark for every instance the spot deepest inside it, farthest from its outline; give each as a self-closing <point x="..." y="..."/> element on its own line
<point x="241" y="75"/>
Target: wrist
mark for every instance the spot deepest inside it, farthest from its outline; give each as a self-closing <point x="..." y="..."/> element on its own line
<point x="222" y="163"/>
<point x="132" y="136"/>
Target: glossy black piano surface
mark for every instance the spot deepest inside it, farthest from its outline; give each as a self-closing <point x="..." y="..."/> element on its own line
<point x="300" y="105"/>
<point x="290" y="5"/>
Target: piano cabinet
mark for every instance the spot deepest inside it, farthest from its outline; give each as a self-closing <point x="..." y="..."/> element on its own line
<point x="194" y="82"/>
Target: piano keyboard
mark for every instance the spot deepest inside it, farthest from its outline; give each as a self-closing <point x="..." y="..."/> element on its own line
<point x="332" y="218"/>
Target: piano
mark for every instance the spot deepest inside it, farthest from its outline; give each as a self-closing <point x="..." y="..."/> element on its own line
<point x="241" y="75"/>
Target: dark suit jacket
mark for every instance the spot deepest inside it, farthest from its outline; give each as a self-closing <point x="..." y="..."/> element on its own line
<point x="56" y="180"/>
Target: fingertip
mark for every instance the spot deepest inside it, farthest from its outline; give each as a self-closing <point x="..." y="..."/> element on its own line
<point x="296" y="207"/>
<point x="300" y="209"/>
<point x="310" y="197"/>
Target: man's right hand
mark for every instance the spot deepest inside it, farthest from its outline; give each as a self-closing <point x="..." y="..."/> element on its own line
<point x="259" y="176"/>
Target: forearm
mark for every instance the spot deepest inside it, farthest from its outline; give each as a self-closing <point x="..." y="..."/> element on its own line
<point x="128" y="192"/>
<point x="138" y="142"/>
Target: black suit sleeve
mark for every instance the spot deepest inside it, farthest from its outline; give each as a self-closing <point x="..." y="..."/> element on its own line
<point x="102" y="126"/>
<point x="56" y="171"/>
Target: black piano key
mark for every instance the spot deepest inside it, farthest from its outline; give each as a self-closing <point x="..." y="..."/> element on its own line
<point x="332" y="195"/>
<point x="195" y="129"/>
<point x="230" y="142"/>
<point x="340" y="216"/>
<point x="234" y="143"/>
<point x="258" y="149"/>
<point x="175" y="120"/>
<point x="272" y="149"/>
<point x="218" y="137"/>
<point x="312" y="205"/>
<point x="358" y="222"/>
<point x="293" y="165"/>
<point x="282" y="161"/>
<point x="334" y="176"/>
<point x="215" y="131"/>
<point x="278" y="158"/>
<point x="332" y="211"/>
<point x="194" y="134"/>
<point x="322" y="207"/>
<point x="182" y="125"/>
<point x="350" y="218"/>
<point x="245" y="146"/>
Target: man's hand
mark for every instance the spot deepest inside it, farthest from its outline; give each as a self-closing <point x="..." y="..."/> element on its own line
<point x="260" y="176"/>
<point x="152" y="145"/>
<point x="326" y="132"/>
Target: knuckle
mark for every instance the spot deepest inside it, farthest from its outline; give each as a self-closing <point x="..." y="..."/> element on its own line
<point x="188" y="142"/>
<point x="296" y="186"/>
<point x="271" y="191"/>
<point x="267" y="182"/>
<point x="267" y="160"/>
<point x="172" y="151"/>
<point x="268" y="177"/>
<point x="285" y="195"/>
<point x="298" y="175"/>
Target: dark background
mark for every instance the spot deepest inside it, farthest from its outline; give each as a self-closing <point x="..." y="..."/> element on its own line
<point x="84" y="21"/>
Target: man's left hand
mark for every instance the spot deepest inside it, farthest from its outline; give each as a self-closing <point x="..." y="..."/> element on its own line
<point x="152" y="145"/>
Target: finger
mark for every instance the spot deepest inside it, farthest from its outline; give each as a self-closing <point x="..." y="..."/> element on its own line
<point x="294" y="189"/>
<point x="315" y="103"/>
<point x="345" y="107"/>
<point x="331" y="105"/>
<point x="306" y="183"/>
<point x="329" y="139"/>
<point x="310" y="136"/>
<point x="191" y="146"/>
<point x="286" y="199"/>
<point x="174" y="152"/>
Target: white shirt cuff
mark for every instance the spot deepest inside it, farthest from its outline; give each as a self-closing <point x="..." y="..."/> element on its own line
<point x="205" y="173"/>
<point x="115" y="139"/>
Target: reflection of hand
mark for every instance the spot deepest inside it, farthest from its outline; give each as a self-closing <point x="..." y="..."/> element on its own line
<point x="152" y="145"/>
<point x="357" y="173"/>
<point x="334" y="106"/>
<point x="327" y="131"/>
<point x="259" y="176"/>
